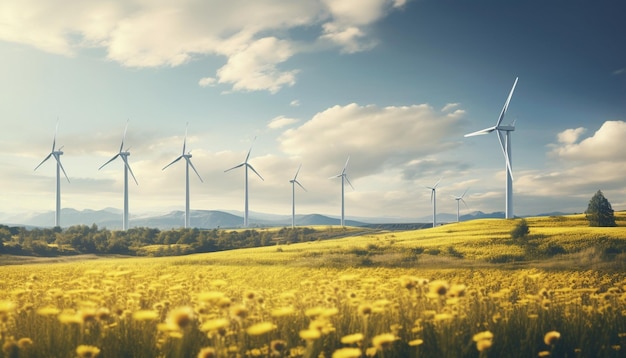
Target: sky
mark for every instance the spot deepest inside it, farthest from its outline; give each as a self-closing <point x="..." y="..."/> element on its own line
<point x="392" y="84"/>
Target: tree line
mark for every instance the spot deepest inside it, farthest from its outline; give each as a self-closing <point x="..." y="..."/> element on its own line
<point x="142" y="241"/>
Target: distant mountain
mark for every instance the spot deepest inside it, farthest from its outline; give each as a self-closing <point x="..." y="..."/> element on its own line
<point x="210" y="219"/>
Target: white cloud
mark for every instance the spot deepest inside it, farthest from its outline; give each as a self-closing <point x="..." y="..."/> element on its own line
<point x="295" y="103"/>
<point x="280" y="122"/>
<point x="254" y="37"/>
<point x="255" y="67"/>
<point x="374" y="137"/>
<point x="605" y="144"/>
<point x="570" y="136"/>
<point x="449" y="106"/>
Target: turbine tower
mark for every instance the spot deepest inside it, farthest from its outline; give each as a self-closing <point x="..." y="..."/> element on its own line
<point x="245" y="187"/>
<point x="459" y="199"/>
<point x="188" y="164"/>
<point x="124" y="155"/>
<point x="433" y="199"/>
<point x="57" y="156"/>
<point x="293" y="182"/>
<point x="344" y="178"/>
<point x="505" y="145"/>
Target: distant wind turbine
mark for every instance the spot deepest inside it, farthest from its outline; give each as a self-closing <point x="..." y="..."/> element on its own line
<point x="344" y="178"/>
<point x="293" y="182"/>
<point x="433" y="199"/>
<point x="458" y="200"/>
<point x="124" y="155"/>
<point x="56" y="153"/>
<point x="505" y="145"/>
<point x="188" y="164"/>
<point x="246" y="165"/>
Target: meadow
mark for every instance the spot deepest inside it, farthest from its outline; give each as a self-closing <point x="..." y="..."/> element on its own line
<point x="459" y="290"/>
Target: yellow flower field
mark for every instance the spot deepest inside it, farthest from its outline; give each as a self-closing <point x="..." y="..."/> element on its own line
<point x="178" y="307"/>
<point x="315" y="299"/>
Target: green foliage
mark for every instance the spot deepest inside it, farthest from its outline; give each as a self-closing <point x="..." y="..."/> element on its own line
<point x="520" y="230"/>
<point x="599" y="212"/>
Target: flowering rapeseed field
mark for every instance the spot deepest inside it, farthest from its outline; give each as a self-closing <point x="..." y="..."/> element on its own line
<point x="180" y="307"/>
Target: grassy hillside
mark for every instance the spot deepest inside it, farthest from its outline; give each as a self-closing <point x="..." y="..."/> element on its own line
<point x="557" y="241"/>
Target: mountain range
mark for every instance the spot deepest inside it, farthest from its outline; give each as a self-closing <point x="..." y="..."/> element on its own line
<point x="209" y="219"/>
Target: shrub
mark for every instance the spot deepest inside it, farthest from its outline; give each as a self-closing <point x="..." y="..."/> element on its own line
<point x="520" y="230"/>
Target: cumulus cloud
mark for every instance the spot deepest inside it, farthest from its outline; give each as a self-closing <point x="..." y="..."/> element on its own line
<point x="374" y="137"/>
<point x="254" y="37"/>
<point x="604" y="145"/>
<point x="570" y="136"/>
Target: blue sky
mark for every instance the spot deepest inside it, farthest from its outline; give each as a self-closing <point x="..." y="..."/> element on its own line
<point x="392" y="84"/>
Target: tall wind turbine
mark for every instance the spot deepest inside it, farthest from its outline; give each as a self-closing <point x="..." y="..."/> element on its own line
<point x="505" y="145"/>
<point x="433" y="199"/>
<point x="246" y="165"/>
<point x="458" y="200"/>
<point x="189" y="163"/>
<point x="124" y="155"/>
<point x="293" y="182"/>
<point x="344" y="178"/>
<point x="56" y="153"/>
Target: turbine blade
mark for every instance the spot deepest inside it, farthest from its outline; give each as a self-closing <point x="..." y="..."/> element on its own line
<point x="506" y="104"/>
<point x="464" y="203"/>
<point x="432" y="194"/>
<point x="348" y="180"/>
<point x="174" y="161"/>
<point x="250" y="150"/>
<point x="185" y="140"/>
<point x="54" y="140"/>
<point x="124" y="136"/>
<point x="235" y="167"/>
<point x="194" y="169"/>
<point x="437" y="183"/>
<point x="61" y="165"/>
<point x="465" y="192"/>
<point x="297" y="171"/>
<point x="129" y="169"/>
<point x="506" y="157"/>
<point x="345" y="166"/>
<point x="46" y="158"/>
<point x="110" y="160"/>
<point x="481" y="132"/>
<point x="297" y="182"/>
<point x="255" y="172"/>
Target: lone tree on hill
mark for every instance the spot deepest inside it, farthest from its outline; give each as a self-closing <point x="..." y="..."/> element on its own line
<point x="599" y="211"/>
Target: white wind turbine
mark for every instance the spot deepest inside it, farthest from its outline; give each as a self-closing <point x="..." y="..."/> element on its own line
<point x="344" y="178"/>
<point x="293" y="182"/>
<point x="433" y="199"/>
<point x="458" y="200"/>
<point x="246" y="165"/>
<point x="188" y="164"/>
<point x="124" y="155"/>
<point x="505" y="145"/>
<point x="57" y="156"/>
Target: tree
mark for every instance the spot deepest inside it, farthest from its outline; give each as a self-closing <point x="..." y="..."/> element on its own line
<point x="599" y="211"/>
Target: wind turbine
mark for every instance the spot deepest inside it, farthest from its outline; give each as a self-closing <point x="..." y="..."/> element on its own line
<point x="459" y="199"/>
<point x="124" y="155"/>
<point x="57" y="156"/>
<point x="293" y="182"/>
<point x="433" y="199"/>
<point x="344" y="178"/>
<point x="246" y="165"/>
<point x="505" y="145"/>
<point x="189" y="163"/>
